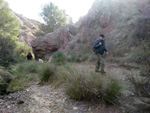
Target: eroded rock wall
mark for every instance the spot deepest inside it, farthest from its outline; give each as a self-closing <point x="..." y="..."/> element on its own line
<point x="53" y="41"/>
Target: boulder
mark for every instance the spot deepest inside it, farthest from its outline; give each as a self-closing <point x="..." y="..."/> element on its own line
<point x="54" y="41"/>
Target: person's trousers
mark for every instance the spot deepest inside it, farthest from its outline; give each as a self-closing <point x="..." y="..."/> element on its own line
<point x="100" y="63"/>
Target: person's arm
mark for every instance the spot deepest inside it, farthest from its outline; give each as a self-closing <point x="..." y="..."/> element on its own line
<point x="104" y="47"/>
<point x="106" y="50"/>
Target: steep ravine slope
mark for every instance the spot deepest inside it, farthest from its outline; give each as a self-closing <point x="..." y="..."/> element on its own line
<point x="28" y="28"/>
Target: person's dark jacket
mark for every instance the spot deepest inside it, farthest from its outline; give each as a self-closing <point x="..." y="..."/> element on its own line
<point x="29" y="56"/>
<point x="99" y="49"/>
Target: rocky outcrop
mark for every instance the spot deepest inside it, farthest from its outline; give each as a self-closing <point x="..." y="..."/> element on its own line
<point x="53" y="41"/>
<point x="28" y="28"/>
<point x="118" y="19"/>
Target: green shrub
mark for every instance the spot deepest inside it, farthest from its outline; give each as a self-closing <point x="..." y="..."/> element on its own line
<point x="83" y="57"/>
<point x="3" y="86"/>
<point x="21" y="49"/>
<point x="79" y="57"/>
<point x="20" y="81"/>
<point x="80" y="88"/>
<point x="5" y="79"/>
<point x="6" y="51"/>
<point x="26" y="67"/>
<point x="47" y="73"/>
<point x="23" y="75"/>
<point x="59" y="58"/>
<point x="72" y="57"/>
<point x="112" y="92"/>
<point x="26" y="72"/>
<point x="135" y="56"/>
<point x="31" y="66"/>
<point x="9" y="30"/>
<point x="81" y="84"/>
<point x="117" y="52"/>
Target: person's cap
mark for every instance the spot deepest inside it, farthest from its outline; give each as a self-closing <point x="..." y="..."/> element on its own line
<point x="101" y="35"/>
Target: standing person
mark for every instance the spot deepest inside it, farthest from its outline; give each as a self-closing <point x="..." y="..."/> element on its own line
<point x="99" y="49"/>
<point x="29" y="56"/>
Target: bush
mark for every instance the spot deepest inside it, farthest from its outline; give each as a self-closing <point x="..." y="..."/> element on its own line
<point x="47" y="73"/>
<point x="83" y="57"/>
<point x="6" y="51"/>
<point x="5" y="79"/>
<point x="117" y="52"/>
<point x="21" y="49"/>
<point x="23" y="75"/>
<point x="112" y="92"/>
<point x="20" y="81"/>
<point x="136" y="56"/>
<point x="9" y="30"/>
<point x="26" y="72"/>
<point x="79" y="57"/>
<point x="3" y="86"/>
<point x="59" y="58"/>
<point x="80" y="88"/>
<point x="26" y="67"/>
<point x="81" y="84"/>
<point x="72" y="58"/>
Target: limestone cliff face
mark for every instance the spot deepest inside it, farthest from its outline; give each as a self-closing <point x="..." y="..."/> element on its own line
<point x="28" y="28"/>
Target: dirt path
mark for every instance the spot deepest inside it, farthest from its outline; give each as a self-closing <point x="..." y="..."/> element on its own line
<point x="46" y="99"/>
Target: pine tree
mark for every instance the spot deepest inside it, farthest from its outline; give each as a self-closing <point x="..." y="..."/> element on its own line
<point x="53" y="17"/>
<point x="9" y="25"/>
<point x="9" y="30"/>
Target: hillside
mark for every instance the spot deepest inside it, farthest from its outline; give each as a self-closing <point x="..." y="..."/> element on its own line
<point x="27" y="30"/>
<point x="121" y="22"/>
<point x="66" y="81"/>
<point x="124" y="22"/>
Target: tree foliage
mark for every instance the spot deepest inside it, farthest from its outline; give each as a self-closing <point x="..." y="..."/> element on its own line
<point x="53" y="17"/>
<point x="9" y="30"/>
<point x="9" y="25"/>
